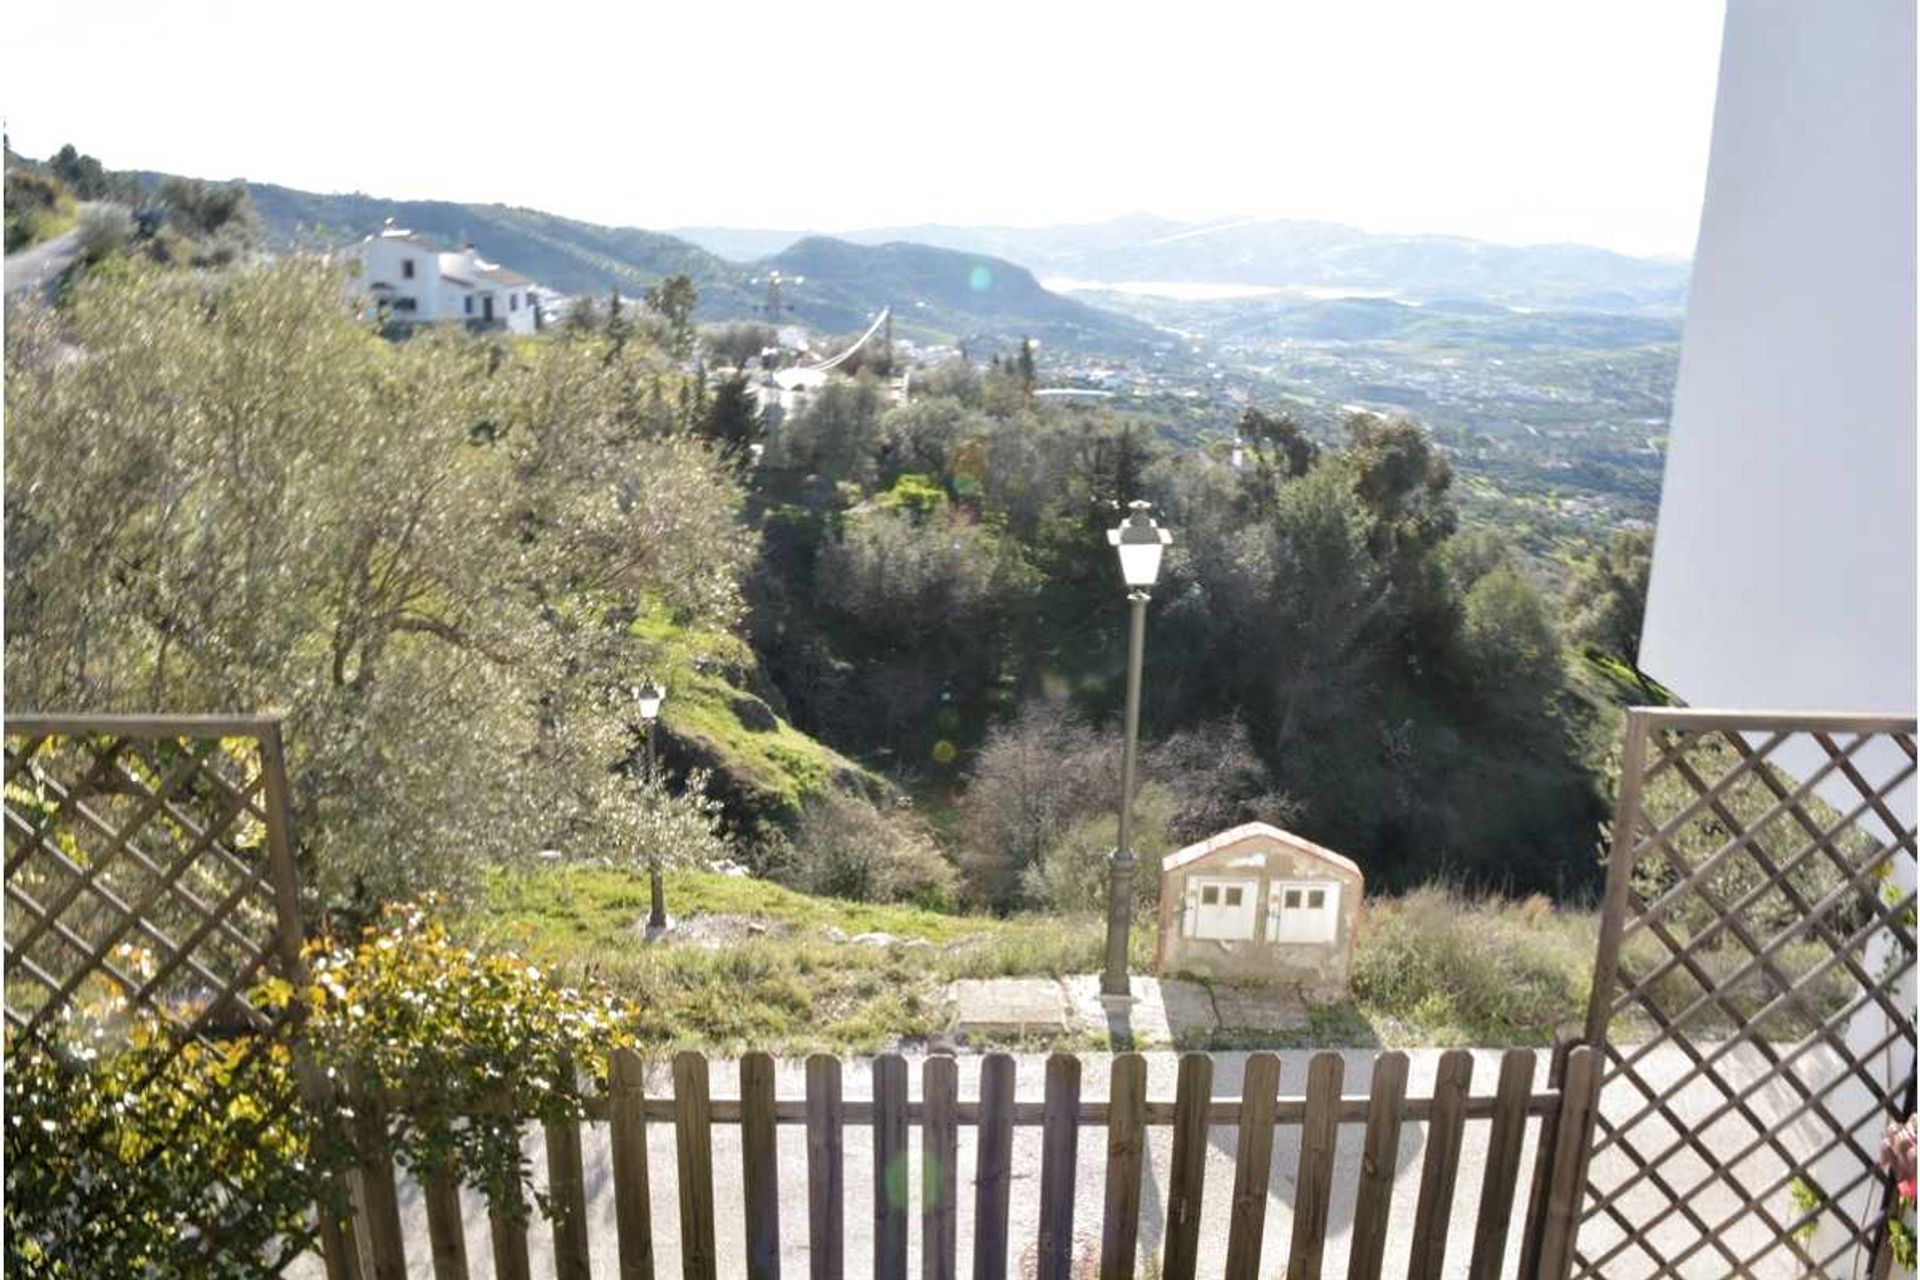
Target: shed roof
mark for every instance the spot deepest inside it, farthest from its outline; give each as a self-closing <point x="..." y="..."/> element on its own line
<point x="1250" y="830"/>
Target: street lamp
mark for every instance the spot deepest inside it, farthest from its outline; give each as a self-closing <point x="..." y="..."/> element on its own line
<point x="649" y="697"/>
<point x="1141" y="543"/>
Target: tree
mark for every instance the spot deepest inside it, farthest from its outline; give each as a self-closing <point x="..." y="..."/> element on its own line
<point x="673" y="300"/>
<point x="1607" y="599"/>
<point x="739" y="345"/>
<point x="733" y="415"/>
<point x="666" y="830"/>
<point x="1028" y="374"/>
<point x="1510" y="639"/>
<point x="428" y="554"/>
<point x="834" y="436"/>
<point x="205" y="210"/>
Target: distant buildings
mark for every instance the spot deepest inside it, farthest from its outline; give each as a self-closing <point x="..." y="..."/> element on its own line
<point x="414" y="280"/>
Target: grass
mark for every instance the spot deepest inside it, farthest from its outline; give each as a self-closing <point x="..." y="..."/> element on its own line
<point x="755" y="965"/>
<point x="708" y="707"/>
<point x="792" y="984"/>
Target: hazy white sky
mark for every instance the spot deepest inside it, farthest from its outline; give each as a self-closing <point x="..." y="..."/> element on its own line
<point x="1517" y="120"/>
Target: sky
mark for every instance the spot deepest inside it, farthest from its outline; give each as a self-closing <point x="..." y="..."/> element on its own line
<point x="1522" y="121"/>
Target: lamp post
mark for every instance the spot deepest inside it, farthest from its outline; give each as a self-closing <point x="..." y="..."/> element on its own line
<point x="650" y="697"/>
<point x="1140" y="543"/>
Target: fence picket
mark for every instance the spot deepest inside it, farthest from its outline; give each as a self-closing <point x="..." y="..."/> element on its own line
<point x="993" y="1180"/>
<point x="1313" y="1188"/>
<point x="1126" y="1151"/>
<point x="760" y="1167"/>
<point x="446" y="1236"/>
<point x="507" y="1226"/>
<point x="1535" y="1221"/>
<point x="1059" y="1158"/>
<point x="890" y="1167"/>
<point x="567" y="1187"/>
<point x="826" y="1170"/>
<point x="1502" y="1174"/>
<point x="1433" y="1213"/>
<point x="1253" y="1166"/>
<point x="379" y="1199"/>
<point x="1187" y="1176"/>
<point x="693" y="1134"/>
<point x="1579" y="1100"/>
<point x="939" y="1166"/>
<point x="1380" y="1152"/>
<point x="632" y="1210"/>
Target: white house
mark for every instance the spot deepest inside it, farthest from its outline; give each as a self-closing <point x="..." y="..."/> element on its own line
<point x="414" y="280"/>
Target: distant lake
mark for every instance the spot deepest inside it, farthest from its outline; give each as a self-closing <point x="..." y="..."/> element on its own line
<point x="1206" y="291"/>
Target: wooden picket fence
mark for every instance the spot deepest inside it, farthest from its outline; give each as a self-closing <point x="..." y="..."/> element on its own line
<point x="1564" y="1109"/>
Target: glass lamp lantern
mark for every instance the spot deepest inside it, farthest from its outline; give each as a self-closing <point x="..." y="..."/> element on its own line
<point x="1141" y="542"/>
<point x="649" y="696"/>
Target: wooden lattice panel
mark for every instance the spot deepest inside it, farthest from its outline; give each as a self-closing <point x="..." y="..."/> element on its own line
<point x="150" y="890"/>
<point x="1754" y="996"/>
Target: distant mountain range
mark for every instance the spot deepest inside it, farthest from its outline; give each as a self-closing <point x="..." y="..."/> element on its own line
<point x="937" y="293"/>
<point x="1279" y="253"/>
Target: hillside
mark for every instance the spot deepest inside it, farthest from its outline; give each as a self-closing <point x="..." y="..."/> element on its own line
<point x="1287" y="253"/>
<point x="939" y="294"/>
<point x="954" y="294"/>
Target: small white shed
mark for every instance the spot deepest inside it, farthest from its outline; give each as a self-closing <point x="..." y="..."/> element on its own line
<point x="1257" y="904"/>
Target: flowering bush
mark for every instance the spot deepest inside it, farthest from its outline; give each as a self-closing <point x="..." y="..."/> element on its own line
<point x="131" y="1153"/>
<point x="473" y="1044"/>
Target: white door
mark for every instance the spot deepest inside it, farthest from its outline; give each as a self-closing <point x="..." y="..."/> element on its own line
<point x="1224" y="908"/>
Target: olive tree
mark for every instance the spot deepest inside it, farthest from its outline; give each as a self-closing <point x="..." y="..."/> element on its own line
<point x="225" y="493"/>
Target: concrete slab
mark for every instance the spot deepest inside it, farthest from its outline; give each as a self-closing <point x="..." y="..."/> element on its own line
<point x="1006" y="1007"/>
<point x="1160" y="1014"/>
<point x="1259" y="1009"/>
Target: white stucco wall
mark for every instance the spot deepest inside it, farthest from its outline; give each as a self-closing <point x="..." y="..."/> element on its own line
<point x="1784" y="563"/>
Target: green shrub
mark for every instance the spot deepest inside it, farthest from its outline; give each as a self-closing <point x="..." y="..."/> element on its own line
<point x="128" y="1153"/>
<point x="845" y="847"/>
<point x="37" y="207"/>
<point x="476" y="1044"/>
<point x="127" y="1156"/>
<point x="1071" y="877"/>
<point x="1469" y="970"/>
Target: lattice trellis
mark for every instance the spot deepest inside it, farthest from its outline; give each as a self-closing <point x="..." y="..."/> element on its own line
<point x="1754" y="994"/>
<point x="150" y="889"/>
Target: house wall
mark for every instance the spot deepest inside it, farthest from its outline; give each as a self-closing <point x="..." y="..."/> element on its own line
<point x="1321" y="971"/>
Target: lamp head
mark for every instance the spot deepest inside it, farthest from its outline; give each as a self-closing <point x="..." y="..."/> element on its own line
<point x="1141" y="542"/>
<point x="649" y="696"/>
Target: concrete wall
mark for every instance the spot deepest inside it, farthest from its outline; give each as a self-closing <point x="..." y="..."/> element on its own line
<point x="1320" y="971"/>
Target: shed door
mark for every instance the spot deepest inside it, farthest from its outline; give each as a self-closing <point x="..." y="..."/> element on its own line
<point x="1224" y="907"/>
<point x="1303" y="911"/>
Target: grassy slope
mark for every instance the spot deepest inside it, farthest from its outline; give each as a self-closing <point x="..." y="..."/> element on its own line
<point x="1433" y="969"/>
<point x="756" y="965"/>
<point x="709" y="712"/>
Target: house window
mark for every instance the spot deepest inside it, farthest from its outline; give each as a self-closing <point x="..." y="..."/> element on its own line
<point x="468" y="303"/>
<point x="513" y="302"/>
<point x="406" y="268"/>
<point x="1222" y="909"/>
<point x="1304" y="913"/>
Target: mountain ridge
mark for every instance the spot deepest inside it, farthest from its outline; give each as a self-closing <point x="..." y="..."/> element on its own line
<point x="933" y="290"/>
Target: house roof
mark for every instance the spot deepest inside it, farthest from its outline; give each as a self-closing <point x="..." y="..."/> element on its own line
<point x="1253" y="830"/>
<point x="501" y="275"/>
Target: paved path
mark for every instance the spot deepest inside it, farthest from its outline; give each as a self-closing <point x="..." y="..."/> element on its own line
<point x="37" y="266"/>
<point x="1162" y="1068"/>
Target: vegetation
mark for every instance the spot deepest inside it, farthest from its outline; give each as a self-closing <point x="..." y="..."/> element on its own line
<point x="39" y="207"/>
<point x="130" y="1154"/>
<point x="385" y="540"/>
